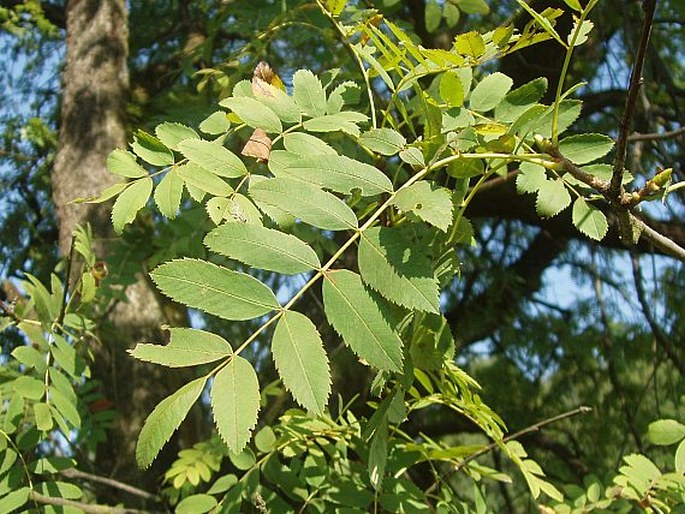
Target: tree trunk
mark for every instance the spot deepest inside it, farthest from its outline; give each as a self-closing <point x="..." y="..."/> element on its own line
<point x="94" y="95"/>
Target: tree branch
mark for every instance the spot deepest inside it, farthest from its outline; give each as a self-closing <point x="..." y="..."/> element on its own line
<point x="75" y="473"/>
<point x="649" y="6"/>
<point x="659" y="135"/>
<point x="85" y="507"/>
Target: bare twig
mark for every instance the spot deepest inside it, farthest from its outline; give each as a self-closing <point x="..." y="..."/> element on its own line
<point x="67" y="279"/>
<point x="648" y="6"/>
<point x="656" y="136"/>
<point x="85" y="507"/>
<point x="75" y="473"/>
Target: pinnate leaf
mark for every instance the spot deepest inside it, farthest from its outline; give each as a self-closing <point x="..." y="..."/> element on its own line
<point x="301" y="361"/>
<point x="168" y="194"/>
<point x="213" y="289"/>
<point x="552" y="198"/>
<point x="171" y="134"/>
<point x="188" y="347"/>
<point x="359" y="318"/>
<point x="301" y="143"/>
<point x="530" y="178"/>
<point x="395" y="267"/>
<point x="165" y="419"/>
<point x="151" y="149"/>
<point x="589" y="220"/>
<point x="429" y="202"/>
<point x="518" y="101"/>
<point x="384" y="141"/>
<point x="130" y="202"/>
<point x="196" y="176"/>
<point x="344" y="121"/>
<point x="123" y="163"/>
<point x="309" y="93"/>
<point x="215" y="123"/>
<point x="196" y="504"/>
<point x="664" y="432"/>
<point x="212" y="157"/>
<point x="254" y="113"/>
<point x="262" y="248"/>
<point x="305" y="201"/>
<point x="584" y="148"/>
<point x="490" y="92"/>
<point x="235" y="402"/>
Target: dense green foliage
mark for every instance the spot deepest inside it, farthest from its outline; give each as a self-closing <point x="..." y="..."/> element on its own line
<point x="321" y="235"/>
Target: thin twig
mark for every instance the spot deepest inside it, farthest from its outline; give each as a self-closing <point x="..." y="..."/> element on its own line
<point x="85" y="507"/>
<point x="648" y="6"/>
<point x="656" y="136"/>
<point x="67" y="279"/>
<point x="75" y="473"/>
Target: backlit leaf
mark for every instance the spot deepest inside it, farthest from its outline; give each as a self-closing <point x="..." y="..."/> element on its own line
<point x="213" y="289"/>
<point x="254" y="113"/>
<point x="589" y="220"/>
<point x="262" y="248"/>
<point x="278" y="101"/>
<point x="665" y="432"/>
<point x="171" y="134"/>
<point x="584" y="148"/>
<point x="359" y="319"/>
<point x="530" y="178"/>
<point x="151" y="149"/>
<point x="165" y="419"/>
<point x="335" y="172"/>
<point x="490" y="92"/>
<point x="301" y="361"/>
<point x="305" y="201"/>
<point x="198" y="177"/>
<point x="451" y="89"/>
<point x="384" y="141"/>
<point x="429" y="202"/>
<point x="215" y="123"/>
<point x="396" y="268"/>
<point x="168" y="194"/>
<point x="212" y="157"/>
<point x="552" y="198"/>
<point x="130" y="202"/>
<point x="309" y="93"/>
<point x="123" y="163"/>
<point x="187" y="347"/>
<point x="235" y="402"/>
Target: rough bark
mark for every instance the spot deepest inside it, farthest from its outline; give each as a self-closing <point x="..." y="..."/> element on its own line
<point x="94" y="95"/>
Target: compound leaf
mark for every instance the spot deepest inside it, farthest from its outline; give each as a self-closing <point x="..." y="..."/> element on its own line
<point x="254" y="113"/>
<point x="212" y="157"/>
<point x="431" y="203"/>
<point x="188" y="347"/>
<point x="309" y="93"/>
<point x="589" y="220"/>
<point x="130" y="201"/>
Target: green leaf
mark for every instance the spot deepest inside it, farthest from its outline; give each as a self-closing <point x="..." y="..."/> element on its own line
<point x="583" y="32"/>
<point x="306" y="202"/>
<point x="335" y="7"/>
<point x="43" y="417"/>
<point x="107" y="194"/>
<point x="451" y="89"/>
<point x="413" y="156"/>
<point x="574" y="4"/>
<point x="384" y="141"/>
<point x="196" y="504"/>
<point x="165" y="419"/>
<point x="378" y="454"/>
<point x="262" y="248"/>
<point x="589" y="220"/>
<point x="431" y="203"/>
<point x="278" y="101"/>
<point x="584" y="148"/>
<point x="335" y="172"/>
<point x="552" y="198"/>
<point x="14" y="500"/>
<point x="347" y="93"/>
<point x="130" y="202"/>
<point x="396" y="268"/>
<point x="59" y="489"/>
<point x="151" y="149"/>
<point x="542" y="21"/>
<point x="451" y="13"/>
<point x="254" y="113"/>
<point x="301" y="361"/>
<point x="433" y="15"/>
<point x="301" y="143"/>
<point x="188" y="347"/>
<point x="235" y="402"/>
<point x="665" y="432"/>
<point x="29" y="356"/>
<point x="49" y="465"/>
<point x="213" y="157"/>
<point x="123" y="163"/>
<point x="225" y="293"/>
<point x="29" y="387"/>
<point x="518" y="101"/>
<point x="344" y="121"/>
<point x="473" y="6"/>
<point x="470" y="44"/>
<point x="65" y="406"/>
<point x="531" y="178"/>
<point x="236" y="208"/>
<point x="309" y="94"/>
<point x="171" y="134"/>
<point x="359" y="319"/>
<point x="680" y="457"/>
<point x="168" y="194"/>
<point x="490" y="92"/>
<point x="198" y="177"/>
<point x="215" y="123"/>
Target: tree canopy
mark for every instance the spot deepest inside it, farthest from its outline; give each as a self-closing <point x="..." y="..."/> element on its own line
<point x="337" y="256"/>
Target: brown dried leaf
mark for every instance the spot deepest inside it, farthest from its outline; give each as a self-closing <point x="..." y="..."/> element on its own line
<point x="258" y="146"/>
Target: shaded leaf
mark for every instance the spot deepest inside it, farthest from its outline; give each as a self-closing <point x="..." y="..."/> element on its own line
<point x="187" y="347"/>
<point x="199" y="178"/>
<point x="165" y="419"/>
<point x="301" y="361"/>
<point x="589" y="220"/>
<point x="215" y="123"/>
<point x="344" y="121"/>
<point x="213" y="289"/>
<point x="359" y="319"/>
<point x="235" y="402"/>
<point x="584" y="148"/>
<point x="262" y="248"/>
<point x="530" y="178"/>
<point x="196" y="504"/>
<point x="301" y="143"/>
<point x="665" y="432"/>
<point x="552" y="198"/>
<point x="518" y="101"/>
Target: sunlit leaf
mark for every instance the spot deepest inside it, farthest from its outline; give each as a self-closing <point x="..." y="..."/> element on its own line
<point x="130" y="202"/>
<point x="187" y="347"/>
